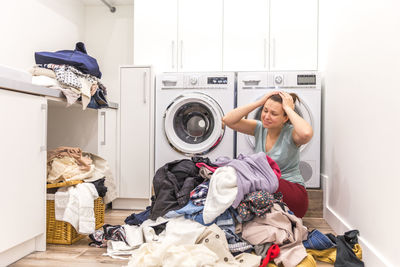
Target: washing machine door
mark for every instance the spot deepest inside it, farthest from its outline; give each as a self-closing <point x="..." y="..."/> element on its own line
<point x="300" y="108"/>
<point x="193" y="124"/>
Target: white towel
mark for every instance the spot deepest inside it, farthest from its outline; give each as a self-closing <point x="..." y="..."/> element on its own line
<point x="75" y="205"/>
<point x="222" y="192"/>
<point x="87" y="193"/>
<point x="71" y="211"/>
<point x="45" y="81"/>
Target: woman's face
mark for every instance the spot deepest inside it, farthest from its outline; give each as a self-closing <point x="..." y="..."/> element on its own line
<point x="273" y="115"/>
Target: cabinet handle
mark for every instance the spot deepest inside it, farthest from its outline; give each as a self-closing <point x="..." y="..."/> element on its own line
<point x="44" y="146"/>
<point x="265" y="53"/>
<point x="273" y="52"/>
<point x="103" y="114"/>
<point x="144" y="86"/>
<point x="172" y="54"/>
<point x="181" y="54"/>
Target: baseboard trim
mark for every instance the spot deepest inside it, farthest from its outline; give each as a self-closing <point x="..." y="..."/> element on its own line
<point x="15" y="253"/>
<point x="130" y="203"/>
<point x="371" y="256"/>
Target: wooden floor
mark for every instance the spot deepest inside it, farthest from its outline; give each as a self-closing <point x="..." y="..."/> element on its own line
<point x="81" y="255"/>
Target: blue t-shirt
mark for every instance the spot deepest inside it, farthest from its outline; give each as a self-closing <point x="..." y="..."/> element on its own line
<point x="284" y="152"/>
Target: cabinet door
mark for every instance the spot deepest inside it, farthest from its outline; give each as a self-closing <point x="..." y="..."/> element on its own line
<point x="107" y="139"/>
<point x="135" y="133"/>
<point x="155" y="34"/>
<point x="246" y="40"/>
<point x="293" y="27"/>
<point x="23" y="167"/>
<point x="200" y="35"/>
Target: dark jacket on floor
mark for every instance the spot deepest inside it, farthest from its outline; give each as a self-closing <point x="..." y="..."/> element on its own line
<point x="172" y="185"/>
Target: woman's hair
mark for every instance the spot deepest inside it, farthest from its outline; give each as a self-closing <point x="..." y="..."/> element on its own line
<point x="278" y="98"/>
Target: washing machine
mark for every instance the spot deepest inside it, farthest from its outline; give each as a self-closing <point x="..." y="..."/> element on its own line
<point x="188" y="115"/>
<point x="307" y="85"/>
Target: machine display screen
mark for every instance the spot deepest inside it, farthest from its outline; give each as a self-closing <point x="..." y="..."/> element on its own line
<point x="217" y="80"/>
<point x="306" y="79"/>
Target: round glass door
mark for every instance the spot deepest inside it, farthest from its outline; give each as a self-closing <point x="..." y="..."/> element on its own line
<point x="193" y="124"/>
<point x="300" y="108"/>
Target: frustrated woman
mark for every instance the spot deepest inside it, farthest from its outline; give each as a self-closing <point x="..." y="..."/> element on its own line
<point x="279" y="133"/>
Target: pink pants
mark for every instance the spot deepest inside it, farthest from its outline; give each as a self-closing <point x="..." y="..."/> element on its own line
<point x="295" y="196"/>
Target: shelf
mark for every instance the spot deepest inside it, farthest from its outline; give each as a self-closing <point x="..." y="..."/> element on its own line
<point x="29" y="88"/>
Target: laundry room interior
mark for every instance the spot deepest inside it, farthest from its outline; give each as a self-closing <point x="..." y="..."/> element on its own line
<point x="116" y="116"/>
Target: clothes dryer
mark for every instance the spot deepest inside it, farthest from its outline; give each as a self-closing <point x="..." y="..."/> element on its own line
<point x="307" y="85"/>
<point x="188" y="115"/>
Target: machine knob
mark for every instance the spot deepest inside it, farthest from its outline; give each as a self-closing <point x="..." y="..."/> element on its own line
<point x="193" y="80"/>
<point x="278" y="79"/>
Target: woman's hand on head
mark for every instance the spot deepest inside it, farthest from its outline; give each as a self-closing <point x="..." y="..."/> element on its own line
<point x="287" y="100"/>
<point x="264" y="99"/>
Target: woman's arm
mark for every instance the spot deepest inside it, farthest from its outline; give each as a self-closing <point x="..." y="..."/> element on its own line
<point x="302" y="130"/>
<point x="235" y="118"/>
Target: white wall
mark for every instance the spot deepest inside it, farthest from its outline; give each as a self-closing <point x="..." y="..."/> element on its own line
<point x="28" y="26"/>
<point x="109" y="38"/>
<point x="360" y="60"/>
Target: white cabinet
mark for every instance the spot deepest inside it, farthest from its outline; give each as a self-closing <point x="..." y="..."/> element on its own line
<point x="178" y="35"/>
<point x="23" y="175"/>
<point x="294" y="34"/>
<point x="200" y="35"/>
<point x="246" y="35"/>
<point x="108" y="139"/>
<point x="92" y="130"/>
<point x="229" y="35"/>
<point x="137" y="138"/>
<point x="270" y="35"/>
<point x="155" y="33"/>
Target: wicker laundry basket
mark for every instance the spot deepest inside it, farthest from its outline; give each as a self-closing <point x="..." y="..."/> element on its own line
<point x="60" y="232"/>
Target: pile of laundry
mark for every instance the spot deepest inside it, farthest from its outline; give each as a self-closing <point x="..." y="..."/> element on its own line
<point x="222" y="213"/>
<point x="73" y="72"/>
<point x="74" y="204"/>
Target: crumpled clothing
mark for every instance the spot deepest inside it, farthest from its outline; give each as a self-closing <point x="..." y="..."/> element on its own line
<point x="66" y="169"/>
<point x="221" y="193"/>
<point x="199" y="194"/>
<point x="72" y="152"/>
<point x="70" y="95"/>
<point x="38" y="71"/>
<point x="254" y="173"/>
<point x="69" y="76"/>
<point x="239" y="247"/>
<point x="160" y="254"/>
<point x="257" y="204"/>
<point x="329" y="255"/>
<point x="281" y="228"/>
<point x="138" y="219"/>
<point x="210" y="168"/>
<point x="107" y="232"/>
<point x="205" y="172"/>
<point x="101" y="189"/>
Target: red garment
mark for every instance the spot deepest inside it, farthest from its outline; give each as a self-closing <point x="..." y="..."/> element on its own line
<point x="274" y="167"/>
<point x="295" y="196"/>
<point x="272" y="253"/>
<point x="201" y="164"/>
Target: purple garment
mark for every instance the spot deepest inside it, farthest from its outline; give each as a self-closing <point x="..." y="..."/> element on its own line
<point x="253" y="174"/>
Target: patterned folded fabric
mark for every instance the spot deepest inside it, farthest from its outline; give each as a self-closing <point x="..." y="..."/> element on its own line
<point x="257" y="204"/>
<point x="199" y="194"/>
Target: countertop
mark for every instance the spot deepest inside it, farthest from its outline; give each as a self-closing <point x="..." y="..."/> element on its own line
<point x="29" y="88"/>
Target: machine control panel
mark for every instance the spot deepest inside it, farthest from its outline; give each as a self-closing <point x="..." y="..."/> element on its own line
<point x="306" y="79"/>
<point x="217" y="80"/>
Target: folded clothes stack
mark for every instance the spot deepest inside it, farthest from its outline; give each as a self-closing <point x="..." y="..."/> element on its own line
<point x="73" y="72"/>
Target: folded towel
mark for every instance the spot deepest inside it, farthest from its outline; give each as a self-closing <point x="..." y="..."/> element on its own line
<point x="75" y="205"/>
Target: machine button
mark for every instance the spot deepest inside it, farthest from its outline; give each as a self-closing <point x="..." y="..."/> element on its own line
<point x="278" y="79"/>
<point x="193" y="80"/>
